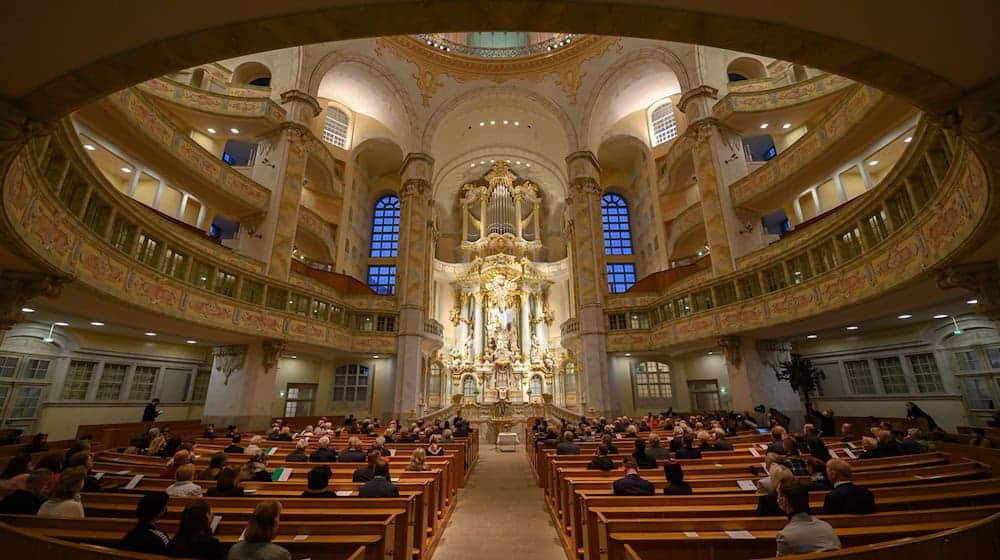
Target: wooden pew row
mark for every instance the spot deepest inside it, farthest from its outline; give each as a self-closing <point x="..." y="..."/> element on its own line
<point x="712" y="541"/>
<point x="412" y="527"/>
<point x="890" y="498"/>
<point x="112" y="436"/>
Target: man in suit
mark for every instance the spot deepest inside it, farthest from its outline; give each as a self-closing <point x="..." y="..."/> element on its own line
<point x="911" y="443"/>
<point x="846" y="497"/>
<point x="150" y="413"/>
<point x="601" y="462"/>
<point x="655" y="450"/>
<point x="380" y="486"/>
<point x="803" y="533"/>
<point x="234" y="446"/>
<point x="567" y="447"/>
<point x="632" y="484"/>
<point x="323" y="453"/>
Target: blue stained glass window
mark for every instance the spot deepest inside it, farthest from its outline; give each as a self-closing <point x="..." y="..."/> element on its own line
<point x="614" y="219"/>
<point x="385" y="227"/>
<point x="382" y="279"/>
<point x="621" y="276"/>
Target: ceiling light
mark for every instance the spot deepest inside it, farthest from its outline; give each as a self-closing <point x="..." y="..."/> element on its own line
<point x="517" y="123"/>
<point x="904" y="316"/>
<point x="527" y="165"/>
<point x="126" y="170"/>
<point x="493" y="161"/>
<point x="27" y="310"/>
<point x="507" y="160"/>
<point x="812" y="336"/>
<point x="375" y="356"/>
<point x="908" y="139"/>
<point x="482" y="123"/>
<point x="89" y="147"/>
<point x="763" y="125"/>
<point x="191" y="341"/>
<point x="150" y="333"/>
<point x="787" y="125"/>
<point x="482" y="163"/>
<point x="210" y="130"/>
<point x="97" y="323"/>
<point x="972" y="301"/>
<point x="518" y="162"/>
<point x="473" y="164"/>
<point x="294" y="357"/>
<point x="853" y="328"/>
<point x="628" y="354"/>
<point x="505" y="122"/>
<point x="493" y="122"/>
<point x="873" y="162"/>
<point x="234" y="130"/>
<point x="61" y="324"/>
<point x="710" y="353"/>
<point x="940" y="316"/>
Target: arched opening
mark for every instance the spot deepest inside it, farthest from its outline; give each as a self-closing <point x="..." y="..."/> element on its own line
<point x="535" y="388"/>
<point x="799" y="73"/>
<point x="469" y="387"/>
<point x="336" y="123"/>
<point x="745" y="68"/>
<point x="198" y="78"/>
<point x="252" y="73"/>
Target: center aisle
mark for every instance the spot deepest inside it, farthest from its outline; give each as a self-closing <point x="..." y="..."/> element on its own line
<point x="500" y="514"/>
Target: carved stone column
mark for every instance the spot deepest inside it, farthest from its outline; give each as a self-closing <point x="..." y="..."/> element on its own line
<point x="586" y="251"/>
<point x="243" y="384"/>
<point x="980" y="278"/>
<point x="17" y="288"/>
<point x="413" y="276"/>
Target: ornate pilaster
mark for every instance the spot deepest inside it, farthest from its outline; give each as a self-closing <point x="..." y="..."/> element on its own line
<point x="17" y="288"/>
<point x="291" y="154"/>
<point x="731" y="347"/>
<point x="716" y="205"/>
<point x="272" y="350"/>
<point x="980" y="278"/>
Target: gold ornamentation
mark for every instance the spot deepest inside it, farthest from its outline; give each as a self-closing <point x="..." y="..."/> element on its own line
<point x="428" y="82"/>
<point x="570" y="81"/>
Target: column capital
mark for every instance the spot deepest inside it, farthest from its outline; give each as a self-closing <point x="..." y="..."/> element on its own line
<point x="702" y="129"/>
<point x="19" y="287"/>
<point x="698" y="92"/>
<point x="301" y="106"/>
<point x="582" y="186"/>
<point x="417" y="165"/>
<point x="981" y="278"/>
<point x="582" y="164"/>
<point x="731" y="348"/>
<point x="415" y="188"/>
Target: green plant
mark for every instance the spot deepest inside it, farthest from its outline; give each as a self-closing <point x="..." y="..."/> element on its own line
<point x="802" y="376"/>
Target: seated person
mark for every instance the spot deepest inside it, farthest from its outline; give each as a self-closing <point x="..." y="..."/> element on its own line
<point x="688" y="451"/>
<point x="632" y="484"/>
<point x="846" y="432"/>
<point x="319" y="481"/>
<point x="818" y="480"/>
<point x="846" y="497"/>
<point x="718" y="441"/>
<point x="379" y="445"/>
<point x="323" y="452"/>
<point x="675" y="480"/>
<point x="255" y="445"/>
<point x="28" y="500"/>
<point x="677" y="442"/>
<point x="366" y="473"/>
<point x="234" y="445"/>
<point x="803" y="533"/>
<point x="194" y="534"/>
<point x="145" y="537"/>
<point x="793" y="459"/>
<point x="608" y="441"/>
<point x="767" y="505"/>
<point x="256" y="467"/>
<point x="418" y="461"/>
<point x="777" y="435"/>
<point x="185" y="485"/>
<point x="642" y="460"/>
<point x="654" y="449"/>
<point x="601" y="462"/>
<point x="353" y="453"/>
<point x="64" y="500"/>
<point x="886" y="447"/>
<point x="227" y="485"/>
<point x="434" y="448"/>
<point x="285" y="434"/>
<point x="15" y="474"/>
<point x="911" y="443"/>
<point x="379" y="486"/>
<point x="566" y="446"/>
<point x="86" y="460"/>
<point x="215" y="466"/>
<point x="260" y="531"/>
<point x="298" y="455"/>
<point x="209" y="432"/>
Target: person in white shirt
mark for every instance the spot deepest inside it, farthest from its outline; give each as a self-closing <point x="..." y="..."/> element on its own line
<point x="64" y="501"/>
<point x="254" y="446"/>
<point x="185" y="485"/>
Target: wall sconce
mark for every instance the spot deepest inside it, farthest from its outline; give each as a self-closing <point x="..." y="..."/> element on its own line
<point x="267" y="162"/>
<point x="746" y="229"/>
<point x="731" y="158"/>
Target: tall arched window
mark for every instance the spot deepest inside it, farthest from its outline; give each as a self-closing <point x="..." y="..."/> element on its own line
<point x="614" y="219"/>
<point x="385" y="244"/>
<point x="535" y="386"/>
<point x="469" y="386"/>
<point x="663" y="123"/>
<point x="335" y="127"/>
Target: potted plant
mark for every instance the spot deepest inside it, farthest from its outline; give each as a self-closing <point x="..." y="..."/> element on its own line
<point x="802" y="376"/>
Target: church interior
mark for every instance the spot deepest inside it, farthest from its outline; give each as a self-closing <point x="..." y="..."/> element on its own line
<point x="510" y="252"/>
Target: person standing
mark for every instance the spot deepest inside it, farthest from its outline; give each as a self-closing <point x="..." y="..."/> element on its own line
<point x="150" y="413"/>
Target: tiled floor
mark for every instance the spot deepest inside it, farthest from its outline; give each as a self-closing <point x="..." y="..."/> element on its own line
<point x="500" y="514"/>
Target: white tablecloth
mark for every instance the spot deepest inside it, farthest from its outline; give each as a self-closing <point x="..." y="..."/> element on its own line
<point x="507" y="441"/>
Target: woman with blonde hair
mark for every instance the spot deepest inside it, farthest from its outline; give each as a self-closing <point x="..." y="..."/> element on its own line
<point x="435" y="449"/>
<point x="418" y="461"/>
<point x="261" y="530"/>
<point x="64" y="501"/>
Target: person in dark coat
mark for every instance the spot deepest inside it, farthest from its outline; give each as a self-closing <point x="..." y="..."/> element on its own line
<point x="353" y="453"/>
<point x="227" y="485"/>
<point x="323" y="452"/>
<point x="380" y="486"/>
<point x="911" y="445"/>
<point x="366" y="473"/>
<point x="642" y="460"/>
<point x="319" y="481"/>
<point x="675" y="480"/>
<point x="298" y="455"/>
<point x="194" y="534"/>
<point x="234" y="446"/>
<point x="145" y="537"/>
<point x="566" y="446"/>
<point x="27" y="501"/>
<point x="632" y="484"/>
<point x="150" y="413"/>
<point x="846" y="497"/>
<point x="688" y="451"/>
<point x="601" y="462"/>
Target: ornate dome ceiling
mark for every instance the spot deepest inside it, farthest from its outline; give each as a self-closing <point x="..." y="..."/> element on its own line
<point x="497" y="44"/>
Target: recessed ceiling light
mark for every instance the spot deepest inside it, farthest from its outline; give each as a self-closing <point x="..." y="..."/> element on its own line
<point x="234" y="130"/>
<point x="628" y="354"/>
<point x="873" y="162"/>
<point x="812" y="336"/>
<point x="518" y="162"/>
<point x="27" y="310"/>
<point x="972" y="301"/>
<point x="506" y="122"/>
<point x="710" y="353"/>
<point x="61" y="324"/>
<point x="908" y="139"/>
<point x="482" y="123"/>
<point x="375" y="356"/>
<point x="473" y="164"/>
<point x="293" y="357"/>
<point x="764" y="125"/>
<point x="493" y="161"/>
<point x="904" y="316"/>
<point x="507" y="160"/>
<point x="210" y="130"/>
<point x="150" y="333"/>
<point x="853" y="328"/>
<point x="940" y="316"/>
<point x="787" y="125"/>
<point x="482" y="163"/>
<point x="527" y="165"/>
<point x="191" y="341"/>
<point x="517" y="123"/>
<point x="493" y="122"/>
<point x="89" y="147"/>
<point x="97" y="323"/>
<point x="126" y="169"/>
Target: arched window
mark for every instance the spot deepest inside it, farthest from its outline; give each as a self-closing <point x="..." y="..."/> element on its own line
<point x="663" y="123"/>
<point x="614" y="219"/>
<point x="434" y="383"/>
<point x="469" y="386"/>
<point x="385" y="244"/>
<point x="335" y="127"/>
<point x="536" y="385"/>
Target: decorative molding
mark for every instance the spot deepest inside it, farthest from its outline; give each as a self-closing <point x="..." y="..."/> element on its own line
<point x="731" y="348"/>
<point x="19" y="287"/>
<point x="695" y="93"/>
<point x="272" y="351"/>
<point x="228" y="359"/>
<point x="981" y="278"/>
